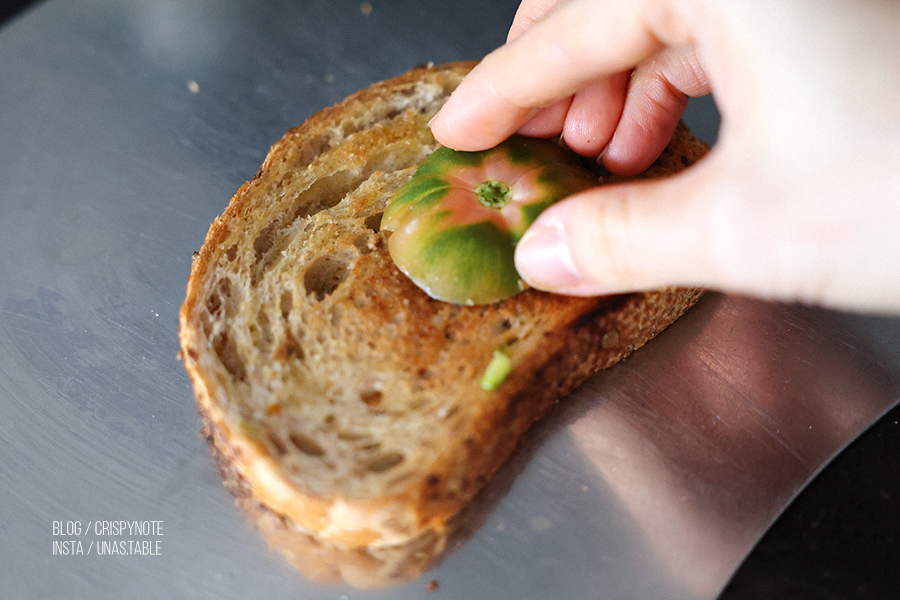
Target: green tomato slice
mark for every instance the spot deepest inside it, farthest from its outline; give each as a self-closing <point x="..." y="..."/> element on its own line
<point x="455" y="225"/>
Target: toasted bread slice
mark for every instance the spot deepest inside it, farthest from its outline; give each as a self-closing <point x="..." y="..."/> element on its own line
<point x="342" y="402"/>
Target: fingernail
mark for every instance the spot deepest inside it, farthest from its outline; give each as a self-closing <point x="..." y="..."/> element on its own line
<point x="544" y="260"/>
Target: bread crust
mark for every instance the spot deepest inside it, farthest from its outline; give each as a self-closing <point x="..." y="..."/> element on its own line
<point x="341" y="403"/>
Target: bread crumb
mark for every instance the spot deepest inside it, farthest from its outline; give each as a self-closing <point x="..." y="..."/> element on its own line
<point x="540" y="523"/>
<point x="366" y="8"/>
<point x="431" y="586"/>
<point x="193" y="86"/>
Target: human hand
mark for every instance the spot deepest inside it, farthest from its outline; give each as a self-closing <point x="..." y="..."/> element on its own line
<point x="799" y="199"/>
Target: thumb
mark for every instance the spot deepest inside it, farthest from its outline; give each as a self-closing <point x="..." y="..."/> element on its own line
<point x="634" y="236"/>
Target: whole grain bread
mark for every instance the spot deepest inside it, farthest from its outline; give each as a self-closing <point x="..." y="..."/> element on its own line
<point x="342" y="403"/>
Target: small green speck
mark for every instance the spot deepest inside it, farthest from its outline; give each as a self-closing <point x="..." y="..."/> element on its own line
<point x="497" y="371"/>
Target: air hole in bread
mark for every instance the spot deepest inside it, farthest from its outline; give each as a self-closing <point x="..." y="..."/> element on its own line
<point x="266" y="239"/>
<point x="276" y="443"/>
<point x="231" y="253"/>
<point x="289" y="349"/>
<point x="372" y="398"/>
<point x="261" y="331"/>
<point x="221" y="290"/>
<point x="370" y="447"/>
<point x="361" y="242"/>
<point x="373" y="222"/>
<point x="312" y="150"/>
<point x="350" y="436"/>
<point x="213" y="304"/>
<point x="306" y="444"/>
<point x="325" y="274"/>
<point x="286" y="303"/>
<point x="226" y="349"/>
<point x="383" y="462"/>
<point x="326" y="192"/>
<point x="392" y="114"/>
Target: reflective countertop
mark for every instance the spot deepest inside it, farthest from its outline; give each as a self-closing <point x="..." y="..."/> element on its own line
<point x="125" y="129"/>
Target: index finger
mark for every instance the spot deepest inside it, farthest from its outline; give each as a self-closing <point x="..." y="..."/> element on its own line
<point x="576" y="43"/>
<point x="529" y="13"/>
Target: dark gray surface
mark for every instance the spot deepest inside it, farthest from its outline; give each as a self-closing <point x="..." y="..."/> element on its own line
<point x="125" y="129"/>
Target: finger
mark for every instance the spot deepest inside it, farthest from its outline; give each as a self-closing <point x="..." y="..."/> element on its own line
<point x="710" y="227"/>
<point x="557" y="57"/>
<point x="594" y="114"/>
<point x="549" y="122"/>
<point x="649" y="117"/>
<point x="657" y="96"/>
<point x="529" y="13"/>
<point x="634" y="236"/>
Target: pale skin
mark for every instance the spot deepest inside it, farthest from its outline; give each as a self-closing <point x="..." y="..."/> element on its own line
<point x="799" y="200"/>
